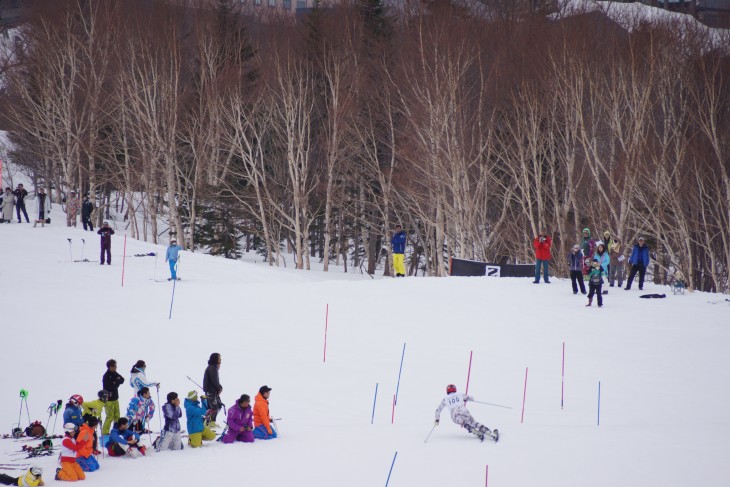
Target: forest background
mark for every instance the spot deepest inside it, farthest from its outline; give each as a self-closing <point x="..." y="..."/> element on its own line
<point x="472" y="124"/>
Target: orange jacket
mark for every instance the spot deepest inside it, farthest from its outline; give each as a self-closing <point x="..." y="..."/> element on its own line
<point x="261" y="413"/>
<point x="85" y="441"/>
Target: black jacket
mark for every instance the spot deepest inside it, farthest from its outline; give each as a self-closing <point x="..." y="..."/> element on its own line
<point x="86" y="208"/>
<point x="111" y="382"/>
<point x="20" y="195"/>
<point x="210" y="380"/>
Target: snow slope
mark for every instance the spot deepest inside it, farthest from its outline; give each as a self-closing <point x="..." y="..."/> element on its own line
<point x="663" y="366"/>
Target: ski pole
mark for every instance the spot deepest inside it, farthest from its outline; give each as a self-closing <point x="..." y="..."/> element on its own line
<point x="158" y="405"/>
<point x="83" y="244"/>
<point x="59" y="403"/>
<point x="20" y="413"/>
<point x="25" y="398"/>
<point x="174" y="283"/>
<point x="191" y="380"/>
<point x="429" y="433"/>
<point x="490" y="404"/>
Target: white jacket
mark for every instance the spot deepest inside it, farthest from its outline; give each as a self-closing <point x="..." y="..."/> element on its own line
<point x="46" y="206"/>
<point x="456" y="402"/>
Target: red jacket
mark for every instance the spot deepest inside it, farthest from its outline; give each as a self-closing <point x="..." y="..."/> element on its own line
<point x="69" y="449"/>
<point x="542" y="249"/>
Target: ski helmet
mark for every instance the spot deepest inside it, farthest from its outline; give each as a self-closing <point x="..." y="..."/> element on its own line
<point x="450" y="388"/>
<point x="104" y="395"/>
<point x="76" y="399"/>
<point x="36" y="470"/>
<point x="70" y="427"/>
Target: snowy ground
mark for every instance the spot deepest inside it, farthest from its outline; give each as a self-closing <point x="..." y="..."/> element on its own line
<point x="663" y="366"/>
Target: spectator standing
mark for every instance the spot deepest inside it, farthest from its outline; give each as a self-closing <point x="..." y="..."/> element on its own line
<point x="73" y="205"/>
<point x="86" y="208"/>
<point x="575" y="260"/>
<point x="542" y="243"/>
<point x="617" y="269"/>
<point x="106" y="233"/>
<point x="42" y="207"/>
<point x="398" y="246"/>
<point x="111" y="380"/>
<point x="587" y="245"/>
<point x="20" y="194"/>
<point x="639" y="261"/>
<point x="8" y="204"/>
<point x="212" y="386"/>
<point x="595" y="282"/>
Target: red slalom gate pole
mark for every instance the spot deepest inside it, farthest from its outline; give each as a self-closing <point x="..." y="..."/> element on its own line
<point x="392" y="415"/>
<point x="524" y="395"/>
<point x="326" y="324"/>
<point x="468" y="376"/>
<point x="124" y="258"/>
<point x="562" y="384"/>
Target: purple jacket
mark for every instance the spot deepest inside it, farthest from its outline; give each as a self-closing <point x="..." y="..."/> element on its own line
<point x="238" y="420"/>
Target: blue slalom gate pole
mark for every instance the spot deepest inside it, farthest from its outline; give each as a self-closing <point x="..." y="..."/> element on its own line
<point x="174" y="283"/>
<point x="399" y="372"/>
<point x="372" y="419"/>
<point x="599" y="403"/>
<point x="391" y="469"/>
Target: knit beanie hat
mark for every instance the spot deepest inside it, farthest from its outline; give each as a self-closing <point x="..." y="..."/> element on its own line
<point x="586" y="229"/>
<point x="193" y="395"/>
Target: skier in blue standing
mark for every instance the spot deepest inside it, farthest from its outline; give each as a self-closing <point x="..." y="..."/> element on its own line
<point x="172" y="256"/>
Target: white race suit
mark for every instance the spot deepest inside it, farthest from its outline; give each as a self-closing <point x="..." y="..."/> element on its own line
<point x="456" y="402"/>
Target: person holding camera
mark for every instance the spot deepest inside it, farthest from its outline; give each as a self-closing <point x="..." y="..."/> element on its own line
<point x="617" y="268"/>
<point x="575" y="260"/>
<point x="542" y="245"/>
<point x="639" y="261"/>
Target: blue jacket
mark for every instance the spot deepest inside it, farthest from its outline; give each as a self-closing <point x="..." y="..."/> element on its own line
<point x="640" y="255"/>
<point x="120" y="437"/>
<point x="73" y="414"/>
<point x="398" y="243"/>
<point x="604" y="260"/>
<point x="172" y="417"/>
<point x="172" y="252"/>
<point x="195" y="415"/>
<point x="576" y="260"/>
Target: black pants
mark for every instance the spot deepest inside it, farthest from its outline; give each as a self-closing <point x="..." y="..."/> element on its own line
<point x="596" y="289"/>
<point x="8" y="480"/>
<point x="576" y="278"/>
<point x="214" y="404"/>
<point x="86" y="220"/>
<point x="21" y="206"/>
<point x="106" y="247"/>
<point x="634" y="268"/>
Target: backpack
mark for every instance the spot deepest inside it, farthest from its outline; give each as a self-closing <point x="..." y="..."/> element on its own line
<point x="35" y="430"/>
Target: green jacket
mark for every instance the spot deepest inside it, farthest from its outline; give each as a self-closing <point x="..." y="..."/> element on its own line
<point x="93" y="407"/>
